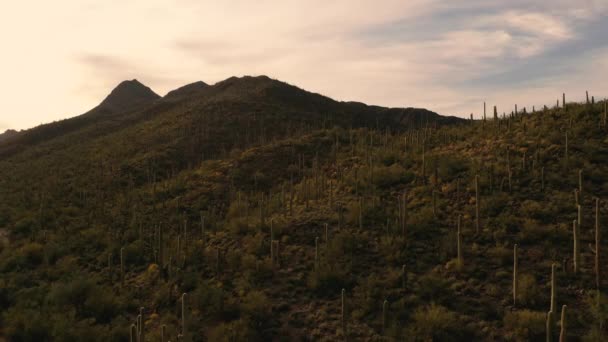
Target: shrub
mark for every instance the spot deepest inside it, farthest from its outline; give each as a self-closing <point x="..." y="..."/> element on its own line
<point x="435" y="323"/>
<point x="526" y="325"/>
<point x="327" y="281"/>
<point x="527" y="289"/>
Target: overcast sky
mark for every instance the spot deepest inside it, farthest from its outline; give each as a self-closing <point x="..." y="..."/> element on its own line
<point x="60" y="58"/>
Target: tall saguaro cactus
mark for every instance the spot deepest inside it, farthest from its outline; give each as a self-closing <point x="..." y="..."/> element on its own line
<point x="477" y="224"/>
<point x="553" y="289"/>
<point x="459" y="245"/>
<point x="566" y="148"/>
<point x="563" y="334"/>
<point x="550" y="323"/>
<point x="384" y="316"/>
<point x="580" y="183"/>
<point x="576" y="255"/>
<point x="515" y="275"/>
<point x="133" y="333"/>
<point x="122" y="266"/>
<point x="184" y="327"/>
<point x="343" y="314"/>
<point x="596" y="250"/>
<point x="542" y="179"/>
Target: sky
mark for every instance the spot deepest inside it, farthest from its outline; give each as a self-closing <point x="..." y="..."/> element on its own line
<point x="61" y="58"/>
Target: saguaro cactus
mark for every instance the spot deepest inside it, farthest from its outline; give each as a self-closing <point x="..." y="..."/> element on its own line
<point x="477" y="225"/>
<point x="596" y="250"/>
<point x="110" y="267"/>
<point x="203" y="225"/>
<point x="384" y="316"/>
<point x="459" y="246"/>
<point x="542" y="179"/>
<point x="160" y="247"/>
<point x="563" y="332"/>
<point x="515" y="275"/>
<point x="271" y="242"/>
<point x="553" y="289"/>
<point x="122" y="266"/>
<point x="141" y="325"/>
<point x="576" y="257"/>
<point x="360" y="213"/>
<point x="580" y="183"/>
<point x="564" y="100"/>
<point x="549" y="326"/>
<point x="434" y="203"/>
<point x="184" y="328"/>
<point x="133" y="337"/>
<point x="566" y="147"/>
<point x="343" y="314"/>
<point x="316" y="253"/>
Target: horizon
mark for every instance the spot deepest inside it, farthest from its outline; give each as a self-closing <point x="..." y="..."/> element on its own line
<point x="447" y="58"/>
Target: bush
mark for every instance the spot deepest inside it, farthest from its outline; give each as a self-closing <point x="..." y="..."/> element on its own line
<point x="436" y="323"/>
<point x="327" y="281"/>
<point x="32" y="253"/>
<point x="527" y="289"/>
<point x="526" y="325"/>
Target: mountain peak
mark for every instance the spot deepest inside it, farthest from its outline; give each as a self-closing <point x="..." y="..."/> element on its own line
<point x="188" y="89"/>
<point x="127" y="95"/>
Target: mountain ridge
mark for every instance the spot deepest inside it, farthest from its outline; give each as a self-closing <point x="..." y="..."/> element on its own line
<point x="132" y="103"/>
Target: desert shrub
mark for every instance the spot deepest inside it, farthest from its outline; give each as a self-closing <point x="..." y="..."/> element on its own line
<point x="238" y="226"/>
<point x="257" y="306"/>
<point x="386" y="176"/>
<point x="526" y="325"/>
<point x="501" y="254"/>
<point x="26" y="325"/>
<point x="532" y="231"/>
<point x="327" y="281"/>
<point x="239" y="330"/>
<point x="102" y="305"/>
<point x="342" y="243"/>
<point x="434" y="288"/>
<point x="450" y="167"/>
<point x="527" y="289"/>
<point x="435" y="323"/>
<point x="32" y="253"/>
<point x="70" y="293"/>
<point x="24" y="227"/>
<point x="209" y="300"/>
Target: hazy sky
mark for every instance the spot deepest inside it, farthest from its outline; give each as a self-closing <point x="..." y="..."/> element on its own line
<point x="60" y="58"/>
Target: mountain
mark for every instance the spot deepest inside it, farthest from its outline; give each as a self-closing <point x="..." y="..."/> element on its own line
<point x="187" y="90"/>
<point x="124" y="99"/>
<point x="127" y="95"/>
<point x="143" y="199"/>
<point x="236" y="109"/>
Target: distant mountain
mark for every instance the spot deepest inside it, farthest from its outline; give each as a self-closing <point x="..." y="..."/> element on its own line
<point x="128" y="95"/>
<point x="207" y="120"/>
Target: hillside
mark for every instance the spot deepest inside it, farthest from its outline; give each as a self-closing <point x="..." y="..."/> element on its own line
<point x="8" y="134"/>
<point x="254" y="210"/>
